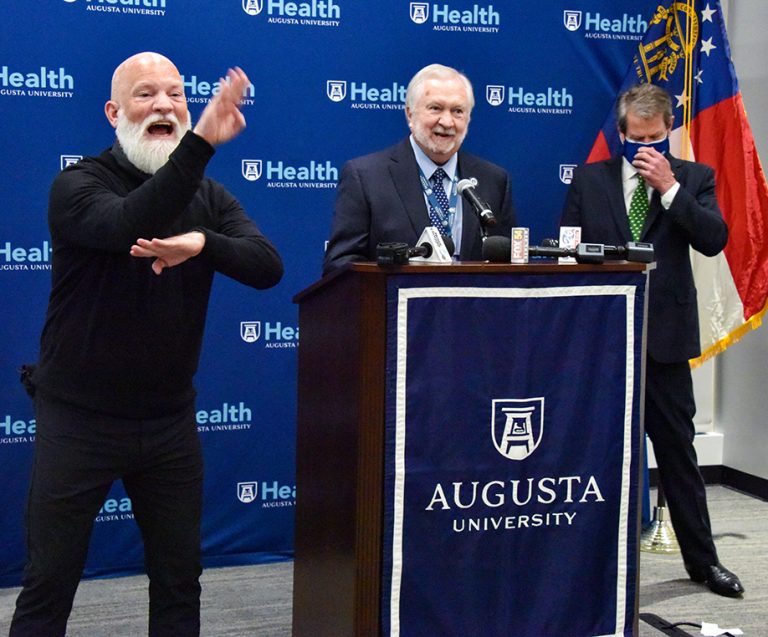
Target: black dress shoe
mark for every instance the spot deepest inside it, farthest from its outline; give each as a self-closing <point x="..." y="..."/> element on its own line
<point x="718" y="578"/>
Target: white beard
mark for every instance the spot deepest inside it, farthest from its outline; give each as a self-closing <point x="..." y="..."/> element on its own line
<point x="148" y="155"/>
<point x="438" y="147"/>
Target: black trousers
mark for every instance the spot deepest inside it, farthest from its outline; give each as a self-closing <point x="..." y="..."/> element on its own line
<point x="669" y="411"/>
<point x="78" y="455"/>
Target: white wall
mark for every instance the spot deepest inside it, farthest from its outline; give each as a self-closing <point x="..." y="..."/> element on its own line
<point x="741" y="373"/>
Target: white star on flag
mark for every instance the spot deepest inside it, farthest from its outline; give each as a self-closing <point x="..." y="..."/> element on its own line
<point x="707" y="46"/>
<point x="681" y="99"/>
<point x="706" y="14"/>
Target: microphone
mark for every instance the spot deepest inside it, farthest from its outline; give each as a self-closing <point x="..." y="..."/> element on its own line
<point x="431" y="246"/>
<point x="636" y="251"/>
<point x="582" y="253"/>
<point x="497" y="249"/>
<point x="466" y="188"/>
<point x="425" y="249"/>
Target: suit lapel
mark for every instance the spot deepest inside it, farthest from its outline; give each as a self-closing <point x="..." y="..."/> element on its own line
<point x="614" y="190"/>
<point x="404" y="172"/>
<point x="654" y="208"/>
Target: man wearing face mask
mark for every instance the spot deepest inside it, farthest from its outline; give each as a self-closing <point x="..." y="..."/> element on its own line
<point x="648" y="195"/>
<point x="393" y="194"/>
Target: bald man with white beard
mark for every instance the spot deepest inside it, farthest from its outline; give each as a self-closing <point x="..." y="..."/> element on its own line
<point x="138" y="233"/>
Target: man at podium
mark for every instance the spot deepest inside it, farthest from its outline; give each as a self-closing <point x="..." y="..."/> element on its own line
<point x="393" y="194"/>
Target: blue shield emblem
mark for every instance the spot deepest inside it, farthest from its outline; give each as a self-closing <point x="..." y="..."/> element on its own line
<point x="572" y="20"/>
<point x="253" y="7"/>
<point x="419" y="12"/>
<point x="68" y="160"/>
<point x="251" y="169"/>
<point x="250" y="331"/>
<point x="566" y="173"/>
<point x="336" y="90"/>
<point x="247" y="491"/>
<point x="494" y="94"/>
<point x="517" y="426"/>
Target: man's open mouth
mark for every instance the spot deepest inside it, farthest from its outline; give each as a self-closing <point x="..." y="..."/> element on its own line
<point x="160" y="129"/>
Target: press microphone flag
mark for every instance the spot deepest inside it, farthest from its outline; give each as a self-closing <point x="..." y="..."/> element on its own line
<point x="570" y="237"/>
<point x="432" y="247"/>
<point x="520" y="243"/>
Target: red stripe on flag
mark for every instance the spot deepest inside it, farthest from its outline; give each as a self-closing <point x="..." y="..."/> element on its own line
<point x="600" y="150"/>
<point x="722" y="138"/>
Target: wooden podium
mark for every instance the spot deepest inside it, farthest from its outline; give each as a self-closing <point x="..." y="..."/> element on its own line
<point x="340" y="465"/>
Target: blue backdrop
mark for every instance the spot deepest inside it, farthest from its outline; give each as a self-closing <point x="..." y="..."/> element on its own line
<point x="329" y="79"/>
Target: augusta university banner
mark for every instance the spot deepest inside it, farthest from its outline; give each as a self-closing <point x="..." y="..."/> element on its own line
<point x="512" y="455"/>
<point x="328" y="83"/>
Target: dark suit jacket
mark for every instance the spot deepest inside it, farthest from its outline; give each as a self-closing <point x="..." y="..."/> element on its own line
<point x="595" y="202"/>
<point x="380" y="199"/>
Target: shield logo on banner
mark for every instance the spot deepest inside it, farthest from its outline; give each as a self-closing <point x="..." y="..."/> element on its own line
<point x="517" y="426"/>
<point x="253" y="7"/>
<point x="247" y="491"/>
<point x="566" y="173"/>
<point x="494" y="94"/>
<point x="251" y="169"/>
<point x="336" y="90"/>
<point x="572" y="20"/>
<point x="68" y="160"/>
<point x="419" y="12"/>
<point x="250" y="331"/>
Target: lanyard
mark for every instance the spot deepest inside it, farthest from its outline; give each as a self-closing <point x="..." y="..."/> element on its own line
<point x="445" y="220"/>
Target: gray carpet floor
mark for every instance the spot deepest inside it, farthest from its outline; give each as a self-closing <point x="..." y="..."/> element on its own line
<point x="255" y="601"/>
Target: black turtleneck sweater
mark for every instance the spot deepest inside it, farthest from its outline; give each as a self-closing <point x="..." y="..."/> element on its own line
<point x="118" y="338"/>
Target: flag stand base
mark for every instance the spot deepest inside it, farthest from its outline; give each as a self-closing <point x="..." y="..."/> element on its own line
<point x="659" y="537"/>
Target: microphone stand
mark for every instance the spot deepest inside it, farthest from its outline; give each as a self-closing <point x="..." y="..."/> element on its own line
<point x="475" y="202"/>
<point x="483" y="228"/>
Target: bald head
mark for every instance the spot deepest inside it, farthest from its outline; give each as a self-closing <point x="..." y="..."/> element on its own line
<point x="144" y="84"/>
<point x="137" y="66"/>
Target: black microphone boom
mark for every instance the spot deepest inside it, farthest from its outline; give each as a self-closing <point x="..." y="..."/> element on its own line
<point x="466" y="188"/>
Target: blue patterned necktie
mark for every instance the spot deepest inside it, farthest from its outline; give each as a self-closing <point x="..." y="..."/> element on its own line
<point x="638" y="208"/>
<point x="437" y="188"/>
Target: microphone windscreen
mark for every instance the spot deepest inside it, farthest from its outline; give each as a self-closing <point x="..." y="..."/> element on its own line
<point x="497" y="249"/>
